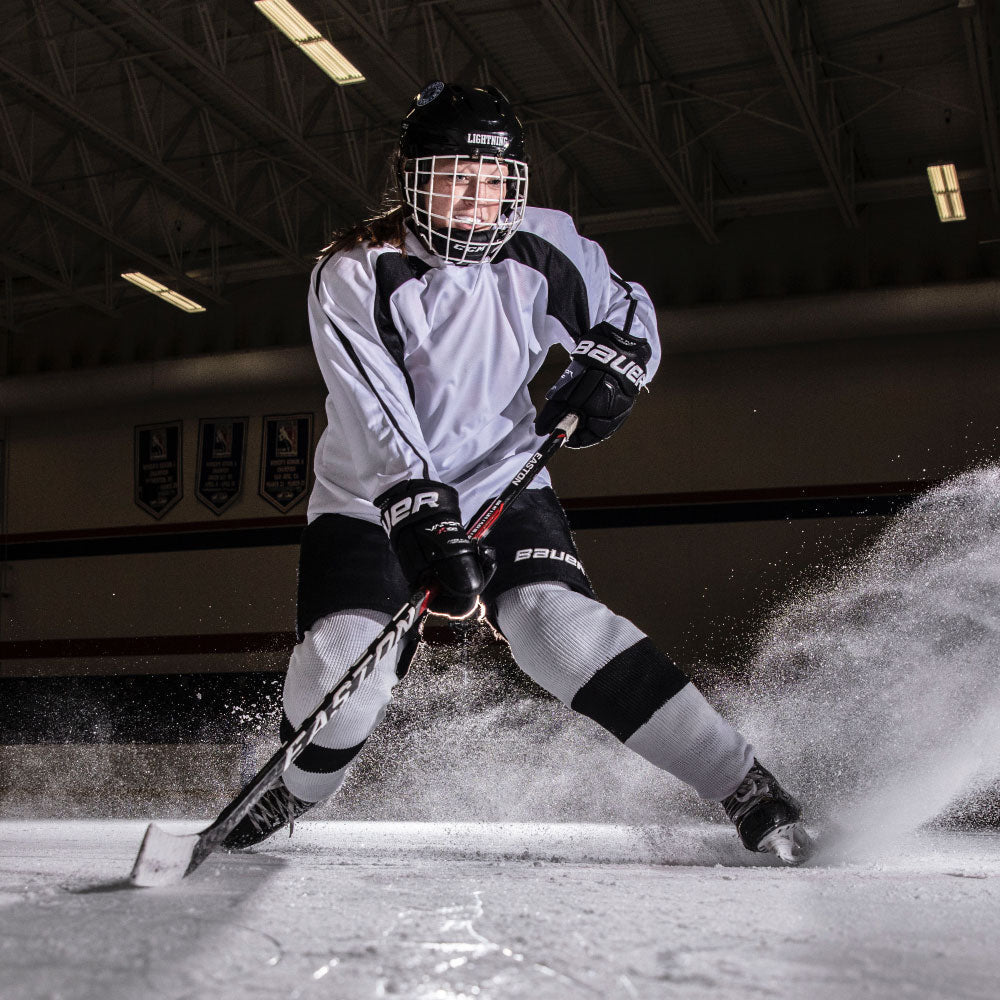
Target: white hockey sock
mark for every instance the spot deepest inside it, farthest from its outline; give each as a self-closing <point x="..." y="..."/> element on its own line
<point x="317" y="663"/>
<point x="602" y="666"/>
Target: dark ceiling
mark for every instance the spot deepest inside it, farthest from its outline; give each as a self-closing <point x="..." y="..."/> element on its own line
<point x="191" y="141"/>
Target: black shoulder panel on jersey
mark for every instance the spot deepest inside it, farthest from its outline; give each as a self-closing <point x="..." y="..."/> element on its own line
<point x="567" y="300"/>
<point x="392" y="270"/>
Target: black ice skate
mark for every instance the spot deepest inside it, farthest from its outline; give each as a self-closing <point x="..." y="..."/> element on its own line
<point x="276" y="807"/>
<point x="767" y="818"/>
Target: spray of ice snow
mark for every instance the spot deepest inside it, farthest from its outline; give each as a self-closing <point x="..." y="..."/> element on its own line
<point x="876" y="692"/>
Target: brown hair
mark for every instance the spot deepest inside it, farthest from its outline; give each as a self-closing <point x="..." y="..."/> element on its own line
<point x="386" y="227"/>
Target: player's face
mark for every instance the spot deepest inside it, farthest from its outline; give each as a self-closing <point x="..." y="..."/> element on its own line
<point x="465" y="193"/>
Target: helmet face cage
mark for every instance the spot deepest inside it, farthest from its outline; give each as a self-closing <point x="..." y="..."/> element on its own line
<point x="459" y="211"/>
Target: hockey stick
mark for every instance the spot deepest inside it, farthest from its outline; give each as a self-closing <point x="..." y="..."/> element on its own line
<point x="165" y="858"/>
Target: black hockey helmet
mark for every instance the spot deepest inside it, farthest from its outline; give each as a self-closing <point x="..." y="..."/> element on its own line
<point x="446" y="125"/>
<point x="448" y="119"/>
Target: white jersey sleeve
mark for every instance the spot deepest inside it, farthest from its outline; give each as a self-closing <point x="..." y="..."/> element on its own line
<point x="370" y="408"/>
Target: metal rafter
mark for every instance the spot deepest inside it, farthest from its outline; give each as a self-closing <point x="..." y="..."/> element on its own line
<point x="912" y="188"/>
<point x="56" y="248"/>
<point x="795" y="54"/>
<point x="167" y="234"/>
<point x="12" y="225"/>
<point x="291" y="104"/>
<point x="20" y="265"/>
<point x="604" y="75"/>
<point x="646" y="88"/>
<point x="152" y="28"/>
<point x="206" y="113"/>
<point x="215" y="48"/>
<point x="141" y="109"/>
<point x="374" y="31"/>
<point x="288" y="225"/>
<point x="353" y="149"/>
<point x="107" y="234"/>
<point x="67" y="87"/>
<point x="50" y="205"/>
<point x="75" y="115"/>
<point x="378" y="39"/>
<point x="215" y="154"/>
<point x="983" y="51"/>
<point x="895" y="89"/>
<point x="198" y="111"/>
<point x="7" y="318"/>
<point x="434" y="46"/>
<point x="648" y="58"/>
<point x="492" y="74"/>
<point x="21" y="162"/>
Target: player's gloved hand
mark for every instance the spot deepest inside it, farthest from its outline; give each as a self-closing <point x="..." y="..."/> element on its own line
<point x="425" y="530"/>
<point x="607" y="371"/>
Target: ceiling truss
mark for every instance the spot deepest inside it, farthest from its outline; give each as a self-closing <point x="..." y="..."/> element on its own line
<point x="785" y="27"/>
<point x="983" y="50"/>
<point x="602" y="63"/>
<point x="191" y="140"/>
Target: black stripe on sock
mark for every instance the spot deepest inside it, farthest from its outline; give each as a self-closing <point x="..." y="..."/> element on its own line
<point x="316" y="759"/>
<point x="626" y="691"/>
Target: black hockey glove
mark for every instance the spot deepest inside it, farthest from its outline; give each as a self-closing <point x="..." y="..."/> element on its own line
<point x="607" y="371"/>
<point x="425" y="530"/>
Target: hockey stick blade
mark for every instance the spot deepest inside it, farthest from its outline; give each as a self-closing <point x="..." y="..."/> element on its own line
<point x="164" y="858"/>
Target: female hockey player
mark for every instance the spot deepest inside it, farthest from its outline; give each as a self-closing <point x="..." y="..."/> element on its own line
<point x="428" y="322"/>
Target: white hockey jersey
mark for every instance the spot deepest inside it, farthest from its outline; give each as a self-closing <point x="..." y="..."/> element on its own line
<point x="428" y="364"/>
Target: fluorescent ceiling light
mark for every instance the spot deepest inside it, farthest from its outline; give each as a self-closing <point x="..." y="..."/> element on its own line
<point x="308" y="38"/>
<point x="947" y="196"/>
<point x="147" y="284"/>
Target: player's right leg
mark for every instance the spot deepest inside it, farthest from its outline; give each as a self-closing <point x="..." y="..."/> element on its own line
<point x="349" y="586"/>
<point x="317" y="665"/>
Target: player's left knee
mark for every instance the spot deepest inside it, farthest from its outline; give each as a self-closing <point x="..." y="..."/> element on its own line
<point x="559" y="637"/>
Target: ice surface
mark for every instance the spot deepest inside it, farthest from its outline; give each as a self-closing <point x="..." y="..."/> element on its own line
<point x="482" y="910"/>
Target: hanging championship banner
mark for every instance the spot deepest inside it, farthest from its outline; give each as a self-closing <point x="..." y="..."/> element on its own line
<point x="286" y="450"/>
<point x="222" y="446"/>
<point x="158" y="467"/>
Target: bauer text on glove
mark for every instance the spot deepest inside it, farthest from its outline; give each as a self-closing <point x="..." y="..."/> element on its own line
<point x="600" y="385"/>
<point x="423" y="520"/>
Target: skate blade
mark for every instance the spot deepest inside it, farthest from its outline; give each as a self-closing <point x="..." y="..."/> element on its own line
<point x="790" y="844"/>
<point x="163" y="858"/>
